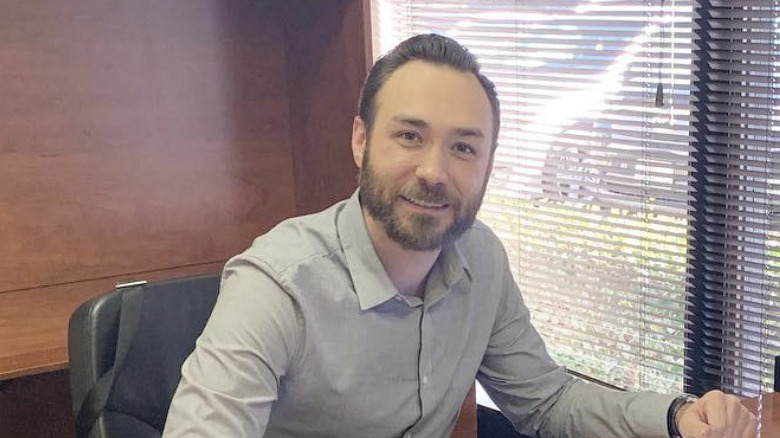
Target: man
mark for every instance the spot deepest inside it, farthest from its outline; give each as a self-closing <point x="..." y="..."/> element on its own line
<point x="373" y="317"/>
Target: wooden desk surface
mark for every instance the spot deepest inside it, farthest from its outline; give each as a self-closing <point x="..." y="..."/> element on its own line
<point x="770" y="413"/>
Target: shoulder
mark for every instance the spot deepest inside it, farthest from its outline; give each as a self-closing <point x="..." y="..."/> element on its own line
<point x="271" y="270"/>
<point x="480" y="242"/>
<point x="298" y="240"/>
<point x="485" y="257"/>
<point x="481" y="232"/>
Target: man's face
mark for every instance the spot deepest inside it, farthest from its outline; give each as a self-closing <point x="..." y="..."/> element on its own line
<point x="425" y="163"/>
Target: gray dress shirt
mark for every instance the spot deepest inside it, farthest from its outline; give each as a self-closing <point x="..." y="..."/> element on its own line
<point x="309" y="338"/>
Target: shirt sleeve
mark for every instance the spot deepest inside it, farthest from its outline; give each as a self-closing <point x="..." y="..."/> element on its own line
<point x="231" y="380"/>
<point x="540" y="399"/>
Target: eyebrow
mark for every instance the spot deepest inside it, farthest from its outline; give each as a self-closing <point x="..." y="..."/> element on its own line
<point x="470" y="132"/>
<point x="420" y="123"/>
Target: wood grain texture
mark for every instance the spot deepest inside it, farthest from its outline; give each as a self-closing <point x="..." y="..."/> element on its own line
<point x="137" y="136"/>
<point x="326" y="62"/>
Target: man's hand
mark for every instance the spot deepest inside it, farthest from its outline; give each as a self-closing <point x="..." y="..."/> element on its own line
<point x="716" y="415"/>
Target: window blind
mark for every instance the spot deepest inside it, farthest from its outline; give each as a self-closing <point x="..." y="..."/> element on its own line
<point x="590" y="190"/>
<point x="735" y="259"/>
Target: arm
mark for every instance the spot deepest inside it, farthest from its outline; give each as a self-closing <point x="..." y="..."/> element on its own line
<point x="539" y="397"/>
<point x="230" y="381"/>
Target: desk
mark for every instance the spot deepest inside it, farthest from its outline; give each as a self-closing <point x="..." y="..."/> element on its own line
<point x="770" y="414"/>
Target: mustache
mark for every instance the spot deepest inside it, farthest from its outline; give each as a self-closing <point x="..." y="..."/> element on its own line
<point x="435" y="194"/>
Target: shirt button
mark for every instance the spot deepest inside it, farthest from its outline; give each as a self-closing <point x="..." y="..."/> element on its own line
<point x="425" y="380"/>
<point x="397" y="298"/>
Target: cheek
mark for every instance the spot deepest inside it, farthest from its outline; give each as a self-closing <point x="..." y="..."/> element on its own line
<point x="388" y="158"/>
<point x="399" y="174"/>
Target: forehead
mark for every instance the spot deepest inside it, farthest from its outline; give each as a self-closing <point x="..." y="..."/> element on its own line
<point x="435" y="93"/>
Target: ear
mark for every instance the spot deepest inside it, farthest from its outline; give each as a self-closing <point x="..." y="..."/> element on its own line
<point x="359" y="138"/>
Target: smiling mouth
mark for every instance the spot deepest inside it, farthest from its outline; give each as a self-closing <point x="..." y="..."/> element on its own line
<point x="424" y="204"/>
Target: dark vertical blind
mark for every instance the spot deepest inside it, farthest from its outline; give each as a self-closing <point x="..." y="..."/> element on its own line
<point x="735" y="257"/>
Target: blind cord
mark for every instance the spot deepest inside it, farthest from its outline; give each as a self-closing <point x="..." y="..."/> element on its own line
<point x="659" y="90"/>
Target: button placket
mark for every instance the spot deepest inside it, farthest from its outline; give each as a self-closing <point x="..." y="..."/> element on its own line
<point x="426" y="332"/>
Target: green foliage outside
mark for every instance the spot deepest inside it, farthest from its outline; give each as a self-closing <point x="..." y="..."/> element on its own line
<point x="603" y="284"/>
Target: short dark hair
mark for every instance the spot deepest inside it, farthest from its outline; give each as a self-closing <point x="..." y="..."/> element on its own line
<point x="436" y="49"/>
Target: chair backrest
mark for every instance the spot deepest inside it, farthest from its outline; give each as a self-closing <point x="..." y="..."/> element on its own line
<point x="776" y="385"/>
<point x="173" y="314"/>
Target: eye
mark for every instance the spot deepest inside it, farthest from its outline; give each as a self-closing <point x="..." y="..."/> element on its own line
<point x="409" y="138"/>
<point x="464" y="149"/>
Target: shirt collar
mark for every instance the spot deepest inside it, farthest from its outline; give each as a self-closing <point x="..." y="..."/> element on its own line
<point x="454" y="263"/>
<point x="450" y="268"/>
<point x="372" y="285"/>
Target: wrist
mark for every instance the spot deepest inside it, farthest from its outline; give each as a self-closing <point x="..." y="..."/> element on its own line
<point x="675" y="413"/>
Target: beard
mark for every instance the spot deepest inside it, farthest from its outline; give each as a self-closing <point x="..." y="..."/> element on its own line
<point x="418" y="231"/>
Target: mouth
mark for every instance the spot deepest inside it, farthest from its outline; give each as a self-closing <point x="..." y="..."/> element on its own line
<point x="425" y="204"/>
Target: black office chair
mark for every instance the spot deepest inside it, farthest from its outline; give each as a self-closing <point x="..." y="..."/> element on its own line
<point x="776" y="385"/>
<point x="493" y="424"/>
<point x="126" y="349"/>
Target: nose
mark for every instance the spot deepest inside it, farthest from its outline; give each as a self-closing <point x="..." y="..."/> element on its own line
<point x="432" y="166"/>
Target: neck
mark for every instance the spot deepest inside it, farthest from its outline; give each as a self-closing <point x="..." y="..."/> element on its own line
<point x="406" y="268"/>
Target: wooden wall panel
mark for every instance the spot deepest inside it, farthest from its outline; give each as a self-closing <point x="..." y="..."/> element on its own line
<point x="137" y="136"/>
<point x="327" y="61"/>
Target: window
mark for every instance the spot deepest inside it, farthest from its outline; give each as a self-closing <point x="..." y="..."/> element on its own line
<point x="603" y="191"/>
